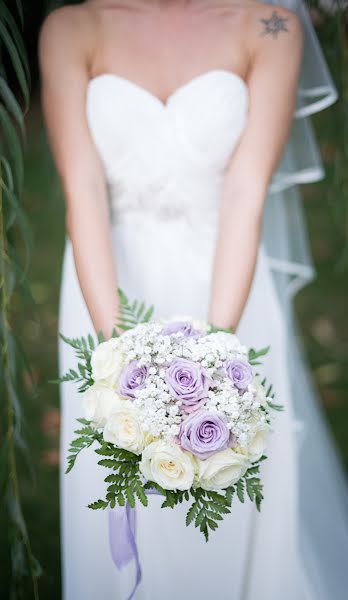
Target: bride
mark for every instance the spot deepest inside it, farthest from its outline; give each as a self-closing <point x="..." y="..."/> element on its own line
<point x="180" y="129"/>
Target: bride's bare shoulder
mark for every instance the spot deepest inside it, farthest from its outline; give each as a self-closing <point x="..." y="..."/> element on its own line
<point x="260" y="21"/>
<point x="70" y="24"/>
<point x="251" y="9"/>
<point x="66" y="39"/>
<point x="267" y="22"/>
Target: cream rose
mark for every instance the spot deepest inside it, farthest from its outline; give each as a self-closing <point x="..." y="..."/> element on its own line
<point x="123" y="428"/>
<point x="221" y="470"/>
<point x="149" y="438"/>
<point x="258" y="444"/>
<point x="99" y="401"/>
<point x="107" y="362"/>
<point x="168" y="465"/>
<point x="260" y="391"/>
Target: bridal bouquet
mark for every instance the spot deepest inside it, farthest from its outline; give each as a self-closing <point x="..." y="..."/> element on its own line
<point x="176" y="408"/>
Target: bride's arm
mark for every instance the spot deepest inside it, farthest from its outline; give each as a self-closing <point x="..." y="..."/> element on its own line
<point x="272" y="84"/>
<point x="64" y="38"/>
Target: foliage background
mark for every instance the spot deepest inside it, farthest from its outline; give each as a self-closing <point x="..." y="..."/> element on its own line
<point x="321" y="306"/>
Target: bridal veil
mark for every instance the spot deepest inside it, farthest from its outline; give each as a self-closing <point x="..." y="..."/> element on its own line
<point x="323" y="499"/>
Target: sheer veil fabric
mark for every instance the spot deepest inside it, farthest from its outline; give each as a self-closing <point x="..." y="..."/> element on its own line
<point x="285" y="232"/>
<point x="164" y="169"/>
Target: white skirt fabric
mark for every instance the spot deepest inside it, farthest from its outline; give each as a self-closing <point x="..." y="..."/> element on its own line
<point x="295" y="548"/>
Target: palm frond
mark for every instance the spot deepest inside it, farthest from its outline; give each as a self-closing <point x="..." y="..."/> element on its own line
<point x="13" y="220"/>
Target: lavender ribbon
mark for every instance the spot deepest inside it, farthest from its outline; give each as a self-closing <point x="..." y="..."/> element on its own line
<point x="122" y="529"/>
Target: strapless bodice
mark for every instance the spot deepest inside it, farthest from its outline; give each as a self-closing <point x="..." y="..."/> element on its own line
<point x="166" y="159"/>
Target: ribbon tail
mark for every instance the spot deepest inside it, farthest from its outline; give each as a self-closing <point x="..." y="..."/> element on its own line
<point x="122" y="522"/>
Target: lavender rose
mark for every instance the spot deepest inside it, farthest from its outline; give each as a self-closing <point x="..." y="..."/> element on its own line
<point x="132" y="378"/>
<point x="189" y="382"/>
<point x="204" y="434"/>
<point x="240" y="373"/>
<point x="184" y="327"/>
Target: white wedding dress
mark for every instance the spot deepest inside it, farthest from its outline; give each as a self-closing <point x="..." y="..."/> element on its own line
<point x="164" y="165"/>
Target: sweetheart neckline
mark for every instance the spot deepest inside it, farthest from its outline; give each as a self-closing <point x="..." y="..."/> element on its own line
<point x="165" y="104"/>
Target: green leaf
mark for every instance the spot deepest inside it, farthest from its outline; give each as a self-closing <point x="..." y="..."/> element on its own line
<point x="213" y="515"/>
<point x="221" y="509"/>
<point x="139" y="490"/>
<point x="98" y="504"/>
<point x="3" y="466"/>
<point x="121" y="499"/>
<point x="91" y="342"/>
<point x="250" y="489"/>
<point x="257" y="353"/>
<point x="132" y="314"/>
<point x="17" y="56"/>
<point x="229" y="495"/>
<point x="168" y="502"/>
<point x="218" y="498"/>
<point x="13" y="145"/>
<point x="212" y="524"/>
<point x="278" y="407"/>
<point x="101" y="337"/>
<point x="192" y="512"/>
<point x="9" y="20"/>
<point x="83" y="421"/>
<point x="204" y="529"/>
<point x="148" y="314"/>
<point x="258" y="500"/>
<point x="253" y="470"/>
<point x="140" y="311"/>
<point x="107" y="462"/>
<point x="240" y="490"/>
<point x="152" y="484"/>
<point x="80" y="442"/>
<point x="130" y="497"/>
<point x="200" y="517"/>
<point x="214" y="329"/>
<point x="104" y="451"/>
<point x="9" y="100"/>
<point x="15" y="253"/>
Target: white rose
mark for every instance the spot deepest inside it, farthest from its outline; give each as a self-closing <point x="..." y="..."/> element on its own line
<point x="221" y="470"/>
<point x="99" y="402"/>
<point x="260" y="391"/>
<point x="149" y="438"/>
<point x="123" y="428"/>
<point x="168" y="465"/>
<point x="107" y="361"/>
<point x="258" y="444"/>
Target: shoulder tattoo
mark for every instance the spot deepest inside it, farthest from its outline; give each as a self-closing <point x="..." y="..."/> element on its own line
<point x="274" y="25"/>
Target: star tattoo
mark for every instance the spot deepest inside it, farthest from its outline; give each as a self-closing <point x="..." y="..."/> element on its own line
<point x="274" y="25"/>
